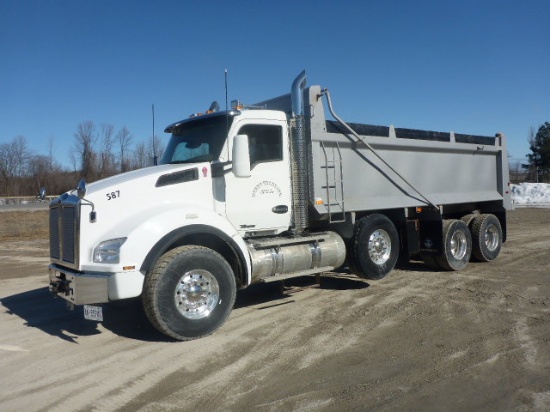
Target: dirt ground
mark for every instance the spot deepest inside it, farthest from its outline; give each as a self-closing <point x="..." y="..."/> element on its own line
<point x="417" y="340"/>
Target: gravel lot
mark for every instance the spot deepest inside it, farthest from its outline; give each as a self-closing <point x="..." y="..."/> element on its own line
<point x="478" y="339"/>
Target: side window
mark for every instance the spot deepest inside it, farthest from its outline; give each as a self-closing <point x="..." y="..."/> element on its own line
<point x="266" y="143"/>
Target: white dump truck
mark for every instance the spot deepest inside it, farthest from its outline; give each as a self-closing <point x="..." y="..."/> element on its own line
<point x="271" y="191"/>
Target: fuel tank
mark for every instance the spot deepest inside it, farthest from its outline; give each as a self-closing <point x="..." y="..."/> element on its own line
<point x="297" y="254"/>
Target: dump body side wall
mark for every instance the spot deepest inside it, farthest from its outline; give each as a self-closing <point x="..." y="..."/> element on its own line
<point x="444" y="172"/>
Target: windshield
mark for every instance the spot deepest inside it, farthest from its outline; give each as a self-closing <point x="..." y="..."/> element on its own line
<point x="197" y="141"/>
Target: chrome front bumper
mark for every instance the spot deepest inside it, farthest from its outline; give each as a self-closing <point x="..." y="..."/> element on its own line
<point x="78" y="288"/>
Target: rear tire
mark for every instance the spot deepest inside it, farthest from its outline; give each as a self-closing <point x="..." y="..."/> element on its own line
<point x="189" y="293"/>
<point x="457" y="245"/>
<point x="374" y="247"/>
<point x="469" y="218"/>
<point x="486" y="237"/>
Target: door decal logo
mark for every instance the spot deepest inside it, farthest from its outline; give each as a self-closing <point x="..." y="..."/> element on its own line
<point x="266" y="187"/>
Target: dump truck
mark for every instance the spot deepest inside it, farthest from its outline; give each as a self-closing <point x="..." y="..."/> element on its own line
<point x="265" y="192"/>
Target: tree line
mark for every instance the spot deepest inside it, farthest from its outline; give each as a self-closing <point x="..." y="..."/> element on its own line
<point x="538" y="161"/>
<point x="95" y="153"/>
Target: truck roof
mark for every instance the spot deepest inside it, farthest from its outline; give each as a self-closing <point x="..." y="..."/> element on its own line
<point x="194" y="117"/>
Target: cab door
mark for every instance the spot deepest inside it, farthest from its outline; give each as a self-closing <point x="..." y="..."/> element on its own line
<point x="262" y="203"/>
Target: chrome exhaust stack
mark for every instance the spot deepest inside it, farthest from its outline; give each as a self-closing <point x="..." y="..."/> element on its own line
<point x="300" y="181"/>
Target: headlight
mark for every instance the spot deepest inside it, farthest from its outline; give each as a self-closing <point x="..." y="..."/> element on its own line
<point x="108" y="251"/>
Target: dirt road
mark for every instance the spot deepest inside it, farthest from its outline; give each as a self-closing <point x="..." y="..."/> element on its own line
<point x="478" y="339"/>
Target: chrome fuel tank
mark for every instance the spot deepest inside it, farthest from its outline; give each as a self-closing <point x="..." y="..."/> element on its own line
<point x="297" y="254"/>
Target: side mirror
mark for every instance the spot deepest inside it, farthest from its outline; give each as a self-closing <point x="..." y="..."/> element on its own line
<point x="241" y="156"/>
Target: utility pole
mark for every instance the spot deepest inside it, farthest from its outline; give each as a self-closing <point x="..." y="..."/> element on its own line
<point x="155" y="160"/>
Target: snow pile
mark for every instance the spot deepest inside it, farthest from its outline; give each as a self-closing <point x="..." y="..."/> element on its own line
<point x="531" y="194"/>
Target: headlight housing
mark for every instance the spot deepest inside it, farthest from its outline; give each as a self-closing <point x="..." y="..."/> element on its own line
<point x="109" y="251"/>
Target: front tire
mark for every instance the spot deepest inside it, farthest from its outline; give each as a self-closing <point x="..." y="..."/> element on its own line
<point x="189" y="293"/>
<point x="374" y="247"/>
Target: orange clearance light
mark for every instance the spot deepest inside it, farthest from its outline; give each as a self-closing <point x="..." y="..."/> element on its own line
<point x="319" y="202"/>
<point x="214" y="108"/>
<point x="237" y="105"/>
<point x="128" y="268"/>
<point x="418" y="210"/>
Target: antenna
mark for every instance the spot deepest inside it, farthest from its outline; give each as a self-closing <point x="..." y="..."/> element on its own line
<point x="154" y="145"/>
<point x="226" y="105"/>
<point x="226" y="102"/>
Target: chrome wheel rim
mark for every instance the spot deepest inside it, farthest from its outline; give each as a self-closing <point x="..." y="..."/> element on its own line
<point x="197" y="294"/>
<point x="492" y="238"/>
<point x="379" y="246"/>
<point x="459" y="245"/>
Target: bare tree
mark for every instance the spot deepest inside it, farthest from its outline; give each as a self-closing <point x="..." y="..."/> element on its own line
<point x="6" y="168"/>
<point x="21" y="154"/>
<point x="85" y="138"/>
<point x="51" y="141"/>
<point x="72" y="158"/>
<point x="124" y="139"/>
<point x="14" y="160"/>
<point x="54" y="179"/>
<point x="38" y="173"/>
<point x="517" y="172"/>
<point x="106" y="166"/>
<point x="140" y="158"/>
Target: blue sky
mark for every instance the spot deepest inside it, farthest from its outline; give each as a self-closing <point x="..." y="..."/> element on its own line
<point x="475" y="67"/>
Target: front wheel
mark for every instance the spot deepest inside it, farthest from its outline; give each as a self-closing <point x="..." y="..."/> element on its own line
<point x="189" y="293"/>
<point x="374" y="247"/>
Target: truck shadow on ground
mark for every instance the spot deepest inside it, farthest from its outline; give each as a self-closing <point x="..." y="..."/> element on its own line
<point x="274" y="292"/>
<point x="40" y="310"/>
<point x="415" y="266"/>
<point x="126" y="318"/>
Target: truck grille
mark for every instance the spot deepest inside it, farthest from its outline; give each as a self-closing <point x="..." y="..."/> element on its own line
<point x="64" y="228"/>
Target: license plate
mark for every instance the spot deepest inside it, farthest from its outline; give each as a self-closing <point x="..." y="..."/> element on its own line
<point x="92" y="312"/>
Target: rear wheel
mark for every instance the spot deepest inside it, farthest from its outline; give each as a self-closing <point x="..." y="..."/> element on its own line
<point x="374" y="247"/>
<point x="469" y="218"/>
<point x="457" y="245"/>
<point x="486" y="237"/>
<point x="189" y="293"/>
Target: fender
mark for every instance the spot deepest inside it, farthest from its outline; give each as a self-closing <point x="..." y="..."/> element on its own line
<point x="162" y="227"/>
<point x="167" y="229"/>
<point x="176" y="236"/>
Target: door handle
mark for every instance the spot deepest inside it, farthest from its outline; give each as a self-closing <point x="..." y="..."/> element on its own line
<point x="280" y="209"/>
